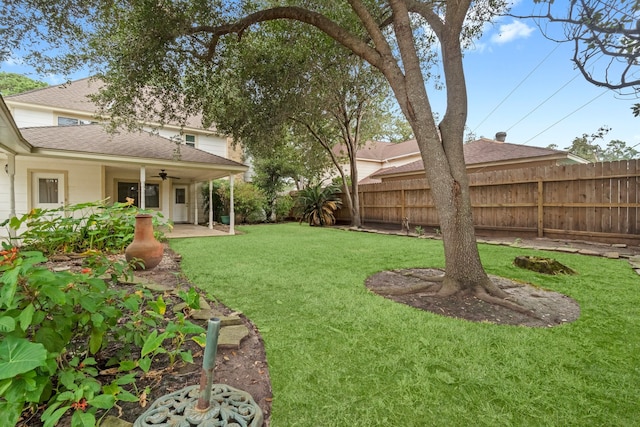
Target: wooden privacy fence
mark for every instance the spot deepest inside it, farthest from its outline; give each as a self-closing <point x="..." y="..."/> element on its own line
<point x="595" y="201"/>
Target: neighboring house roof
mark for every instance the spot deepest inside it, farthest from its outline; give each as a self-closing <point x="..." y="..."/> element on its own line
<point x="383" y="151"/>
<point x="486" y="151"/>
<point x="96" y="140"/>
<point x="74" y="97"/>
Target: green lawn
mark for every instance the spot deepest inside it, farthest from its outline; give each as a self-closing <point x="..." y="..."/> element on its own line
<point x="341" y="356"/>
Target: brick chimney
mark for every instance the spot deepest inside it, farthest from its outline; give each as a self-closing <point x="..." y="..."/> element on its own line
<point x="501" y="136"/>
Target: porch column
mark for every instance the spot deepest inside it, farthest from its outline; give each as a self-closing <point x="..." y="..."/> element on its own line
<point x="143" y="181"/>
<point x="11" y="171"/>
<point x="232" y="212"/>
<point x="194" y="197"/>
<point x="210" y="204"/>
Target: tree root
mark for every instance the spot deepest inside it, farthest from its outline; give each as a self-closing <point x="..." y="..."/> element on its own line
<point x="511" y="305"/>
<point x="442" y="286"/>
<point x="391" y="290"/>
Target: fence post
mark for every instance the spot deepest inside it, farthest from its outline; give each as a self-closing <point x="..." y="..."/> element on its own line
<point x="540" y="208"/>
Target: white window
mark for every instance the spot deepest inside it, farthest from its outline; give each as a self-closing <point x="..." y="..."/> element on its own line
<point x="70" y="121"/>
<point x="190" y="140"/>
<point x="48" y="190"/>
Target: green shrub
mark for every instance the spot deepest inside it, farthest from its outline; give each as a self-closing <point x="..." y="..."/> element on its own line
<point x="249" y="202"/>
<point x="284" y="205"/>
<point x="53" y="326"/>
<point x="93" y="226"/>
<point x="220" y="204"/>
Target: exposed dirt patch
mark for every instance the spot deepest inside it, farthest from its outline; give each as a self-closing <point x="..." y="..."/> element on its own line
<point x="244" y="368"/>
<point x="415" y="288"/>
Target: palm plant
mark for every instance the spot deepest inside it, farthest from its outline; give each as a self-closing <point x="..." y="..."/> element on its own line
<point x="316" y="204"/>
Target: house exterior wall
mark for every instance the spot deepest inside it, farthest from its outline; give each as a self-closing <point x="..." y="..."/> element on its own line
<point x="210" y="143"/>
<point x="26" y="118"/>
<point x="87" y="181"/>
<point x="4" y="191"/>
<point x="366" y="168"/>
<point x="83" y="183"/>
<point x="112" y="177"/>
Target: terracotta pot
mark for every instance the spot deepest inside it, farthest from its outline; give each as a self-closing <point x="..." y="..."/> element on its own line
<point x="144" y="246"/>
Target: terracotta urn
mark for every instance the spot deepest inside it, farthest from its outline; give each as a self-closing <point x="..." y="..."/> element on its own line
<point x="144" y="247"/>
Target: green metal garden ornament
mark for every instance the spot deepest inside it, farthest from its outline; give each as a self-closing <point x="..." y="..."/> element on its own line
<point x="206" y="405"/>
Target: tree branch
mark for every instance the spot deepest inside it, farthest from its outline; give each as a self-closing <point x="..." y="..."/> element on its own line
<point x="326" y="25"/>
<point x="599" y="28"/>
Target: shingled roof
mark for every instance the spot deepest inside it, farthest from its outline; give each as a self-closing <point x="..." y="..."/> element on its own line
<point x="94" y="139"/>
<point x="383" y="151"/>
<point x="68" y="96"/>
<point x="484" y="151"/>
<point x="74" y="96"/>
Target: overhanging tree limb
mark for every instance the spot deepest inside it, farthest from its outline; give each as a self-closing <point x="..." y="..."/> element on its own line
<point x="598" y="29"/>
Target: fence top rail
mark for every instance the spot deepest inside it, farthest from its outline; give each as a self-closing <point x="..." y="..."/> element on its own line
<point x="622" y="169"/>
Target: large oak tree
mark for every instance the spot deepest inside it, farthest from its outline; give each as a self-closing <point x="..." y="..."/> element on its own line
<point x="170" y="49"/>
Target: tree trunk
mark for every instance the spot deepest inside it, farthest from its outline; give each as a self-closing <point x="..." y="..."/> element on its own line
<point x="441" y="148"/>
<point x="356" y="221"/>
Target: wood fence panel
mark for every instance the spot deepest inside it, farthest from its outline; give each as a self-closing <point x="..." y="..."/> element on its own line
<point x="633" y="169"/>
<point x="602" y="216"/>
<point x="613" y="215"/>
<point x="598" y="201"/>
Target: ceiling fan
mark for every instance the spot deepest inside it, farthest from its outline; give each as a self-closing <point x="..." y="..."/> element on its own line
<point x="163" y="175"/>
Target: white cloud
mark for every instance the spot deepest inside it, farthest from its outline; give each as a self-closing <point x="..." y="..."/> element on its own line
<point x="54" y="79"/>
<point x="513" y="31"/>
<point x="479" y="47"/>
<point x="13" y="61"/>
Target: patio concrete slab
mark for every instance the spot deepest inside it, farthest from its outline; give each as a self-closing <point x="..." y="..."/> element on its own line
<point x="191" y="230"/>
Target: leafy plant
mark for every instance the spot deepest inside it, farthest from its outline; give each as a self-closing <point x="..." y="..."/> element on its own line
<point x="419" y="230"/>
<point x="51" y="321"/>
<point x="284" y="204"/>
<point x="54" y="324"/>
<point x="93" y="226"/>
<point x="316" y="204"/>
<point x="249" y="203"/>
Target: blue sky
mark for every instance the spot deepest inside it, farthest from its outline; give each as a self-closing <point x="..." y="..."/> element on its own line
<point x="521" y="83"/>
<point x="526" y="85"/>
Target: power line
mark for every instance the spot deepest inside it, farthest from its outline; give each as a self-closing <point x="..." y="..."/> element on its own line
<point x="517" y="86"/>
<point x="543" y="102"/>
<point x="568" y="115"/>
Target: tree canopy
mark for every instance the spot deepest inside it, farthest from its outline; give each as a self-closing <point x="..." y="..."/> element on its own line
<point x="12" y="83"/>
<point x="588" y="147"/>
<point x="174" y="51"/>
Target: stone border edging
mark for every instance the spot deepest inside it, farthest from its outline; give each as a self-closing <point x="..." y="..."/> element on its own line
<point x="634" y="260"/>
